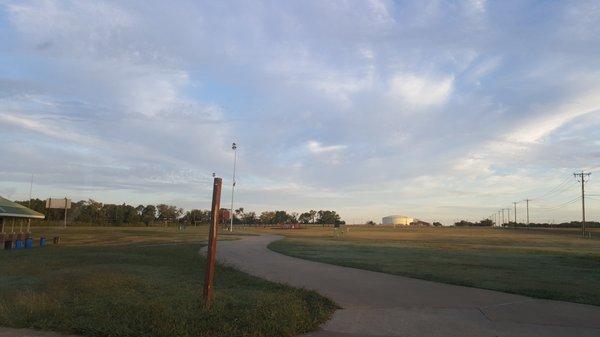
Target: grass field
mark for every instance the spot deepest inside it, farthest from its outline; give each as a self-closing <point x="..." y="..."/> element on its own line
<point x="78" y="236"/>
<point x="545" y="263"/>
<point x="132" y="282"/>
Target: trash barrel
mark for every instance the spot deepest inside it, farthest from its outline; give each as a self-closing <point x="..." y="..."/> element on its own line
<point x="29" y="242"/>
<point x="56" y="240"/>
<point x="43" y="241"/>
<point x="18" y="244"/>
<point x="8" y="244"/>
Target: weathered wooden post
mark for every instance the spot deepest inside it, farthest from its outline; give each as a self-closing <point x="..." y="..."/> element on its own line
<point x="211" y="250"/>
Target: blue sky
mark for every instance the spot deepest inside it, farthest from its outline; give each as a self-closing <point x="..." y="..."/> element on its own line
<point x="440" y="110"/>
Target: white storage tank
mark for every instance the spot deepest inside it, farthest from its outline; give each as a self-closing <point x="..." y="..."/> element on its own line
<point x="396" y="220"/>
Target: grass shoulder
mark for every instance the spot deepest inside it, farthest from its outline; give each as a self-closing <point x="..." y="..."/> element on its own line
<point x="550" y="273"/>
<point x="146" y="290"/>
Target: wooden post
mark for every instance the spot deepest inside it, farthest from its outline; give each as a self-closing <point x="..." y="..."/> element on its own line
<point x="211" y="250"/>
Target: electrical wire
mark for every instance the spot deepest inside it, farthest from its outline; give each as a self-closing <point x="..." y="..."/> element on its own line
<point x="566" y="180"/>
<point x="556" y="191"/>
<point x="559" y="206"/>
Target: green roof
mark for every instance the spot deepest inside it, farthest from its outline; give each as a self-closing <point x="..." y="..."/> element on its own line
<point x="9" y="209"/>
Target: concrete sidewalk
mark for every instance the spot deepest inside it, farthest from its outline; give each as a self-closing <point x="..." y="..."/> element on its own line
<point x="377" y="304"/>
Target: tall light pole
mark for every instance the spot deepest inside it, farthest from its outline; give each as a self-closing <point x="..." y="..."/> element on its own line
<point x="29" y="220"/>
<point x="234" y="148"/>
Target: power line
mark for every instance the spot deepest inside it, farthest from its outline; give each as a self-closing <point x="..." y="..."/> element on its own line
<point x="557" y="192"/>
<point x="555" y="207"/>
<point x="553" y="190"/>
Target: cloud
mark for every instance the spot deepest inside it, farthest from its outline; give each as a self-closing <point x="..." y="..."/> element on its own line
<point x="317" y="148"/>
<point x="420" y="91"/>
<point x="541" y="126"/>
<point x="45" y="129"/>
<point x="383" y="107"/>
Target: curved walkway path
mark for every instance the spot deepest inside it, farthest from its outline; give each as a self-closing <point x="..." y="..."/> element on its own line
<point x="377" y="304"/>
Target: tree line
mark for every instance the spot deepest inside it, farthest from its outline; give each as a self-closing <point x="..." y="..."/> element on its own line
<point x="571" y="224"/>
<point x="99" y="214"/>
<point x="489" y="223"/>
<point x="482" y="223"/>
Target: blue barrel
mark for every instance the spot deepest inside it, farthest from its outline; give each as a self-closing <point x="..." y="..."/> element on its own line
<point x="18" y="244"/>
<point x="29" y="242"/>
<point x="43" y="241"/>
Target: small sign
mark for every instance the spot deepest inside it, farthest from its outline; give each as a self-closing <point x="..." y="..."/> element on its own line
<point x="63" y="203"/>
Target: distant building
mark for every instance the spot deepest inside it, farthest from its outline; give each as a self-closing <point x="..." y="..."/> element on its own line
<point x="397" y="220"/>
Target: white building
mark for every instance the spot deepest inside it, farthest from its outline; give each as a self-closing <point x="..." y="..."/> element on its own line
<point x="396" y="220"/>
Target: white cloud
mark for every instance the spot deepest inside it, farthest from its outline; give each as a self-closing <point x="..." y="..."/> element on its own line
<point x="545" y="123"/>
<point x="317" y="148"/>
<point x="46" y="129"/>
<point x="420" y="91"/>
<point x="146" y="96"/>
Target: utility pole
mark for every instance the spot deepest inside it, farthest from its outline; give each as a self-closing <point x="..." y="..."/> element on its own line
<point x="499" y="218"/>
<point x="515" y="203"/>
<point x="581" y="177"/>
<point x="503" y="216"/>
<point x="508" y="215"/>
<point x="211" y="250"/>
<point x="527" y="201"/>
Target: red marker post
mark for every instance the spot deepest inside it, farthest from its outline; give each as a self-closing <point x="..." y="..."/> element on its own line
<point x="211" y="251"/>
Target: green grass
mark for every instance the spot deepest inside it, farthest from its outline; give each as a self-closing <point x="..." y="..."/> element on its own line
<point x="544" y="265"/>
<point x="145" y="290"/>
<point x="87" y="235"/>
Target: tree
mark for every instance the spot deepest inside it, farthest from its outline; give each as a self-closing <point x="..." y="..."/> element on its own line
<point x="139" y="210"/>
<point x="305" y="218"/>
<point x="149" y="215"/>
<point x="486" y="223"/>
<point x="224" y="216"/>
<point x="282" y="217"/>
<point x="328" y="217"/>
<point x="267" y="217"/>
<point x="250" y="218"/>
<point x="168" y="213"/>
<point x="437" y="224"/>
<point x="313" y="215"/>
<point x="196" y="216"/>
<point x="91" y="211"/>
<point x="238" y="213"/>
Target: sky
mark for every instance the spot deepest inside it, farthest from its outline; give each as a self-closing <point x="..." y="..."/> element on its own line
<point x="440" y="110"/>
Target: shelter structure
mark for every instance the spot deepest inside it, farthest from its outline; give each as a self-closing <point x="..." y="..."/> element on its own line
<point x="11" y="210"/>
